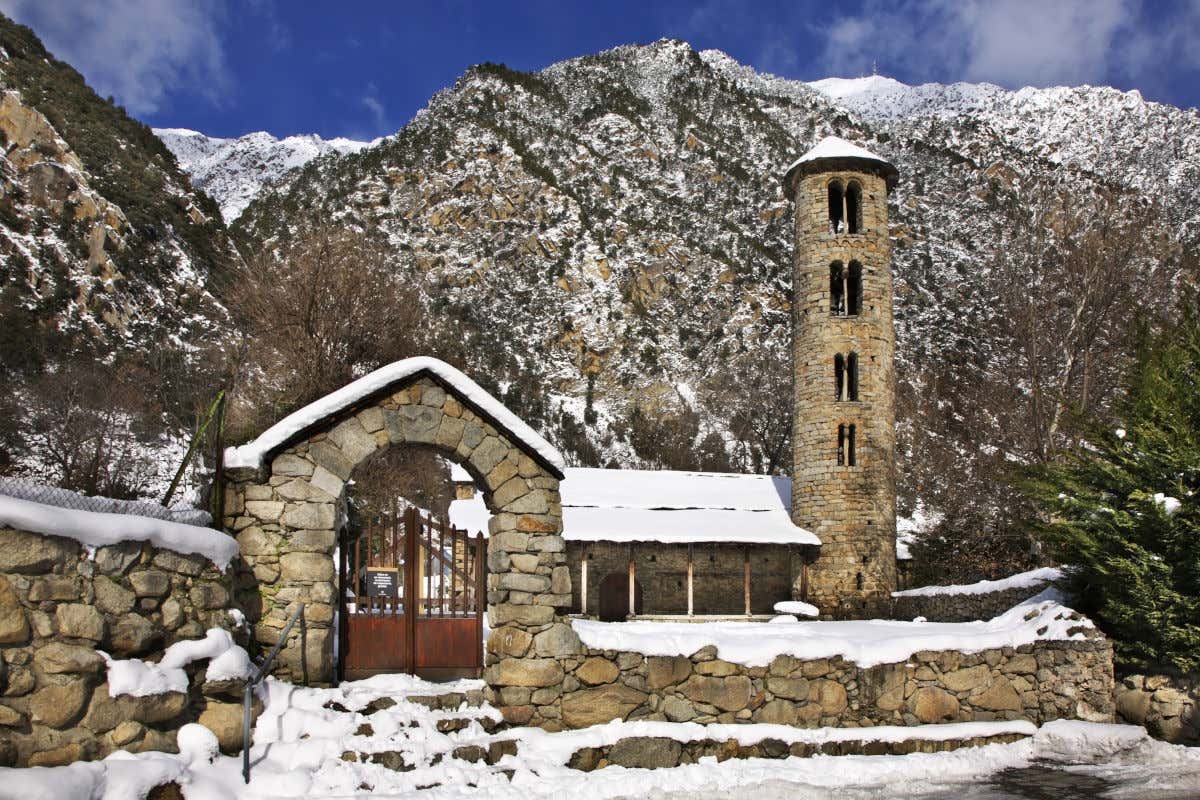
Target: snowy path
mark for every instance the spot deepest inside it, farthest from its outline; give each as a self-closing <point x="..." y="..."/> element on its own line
<point x="395" y="736"/>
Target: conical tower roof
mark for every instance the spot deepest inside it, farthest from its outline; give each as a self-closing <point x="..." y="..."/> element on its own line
<point x="833" y="153"/>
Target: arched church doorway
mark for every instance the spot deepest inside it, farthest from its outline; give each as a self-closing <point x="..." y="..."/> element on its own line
<point x="614" y="597"/>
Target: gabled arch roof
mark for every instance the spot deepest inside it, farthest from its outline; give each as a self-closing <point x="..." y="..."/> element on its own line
<point x="325" y="412"/>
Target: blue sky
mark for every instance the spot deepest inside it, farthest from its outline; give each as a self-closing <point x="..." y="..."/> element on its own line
<point x="362" y="68"/>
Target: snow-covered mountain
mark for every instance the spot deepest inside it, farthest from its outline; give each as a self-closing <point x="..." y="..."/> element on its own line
<point x="233" y="171"/>
<point x="606" y="246"/>
<point x="607" y="240"/>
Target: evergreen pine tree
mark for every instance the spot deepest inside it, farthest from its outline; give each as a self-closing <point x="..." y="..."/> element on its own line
<point x="1124" y="511"/>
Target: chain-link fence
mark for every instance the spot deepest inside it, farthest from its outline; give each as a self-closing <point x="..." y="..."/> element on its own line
<point x="23" y="489"/>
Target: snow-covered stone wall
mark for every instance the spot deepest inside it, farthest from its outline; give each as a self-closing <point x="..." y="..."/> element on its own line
<point x="965" y="603"/>
<point x="1040" y="681"/>
<point x="64" y="606"/>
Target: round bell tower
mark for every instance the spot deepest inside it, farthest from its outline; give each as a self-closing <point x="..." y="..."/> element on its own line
<point x="844" y="413"/>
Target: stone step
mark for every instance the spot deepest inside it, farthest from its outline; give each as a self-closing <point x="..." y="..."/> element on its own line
<point x="450" y="701"/>
<point x="488" y="753"/>
<point x="658" y="752"/>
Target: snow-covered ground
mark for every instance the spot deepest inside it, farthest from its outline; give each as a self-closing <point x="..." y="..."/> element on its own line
<point x="350" y="742"/>
<point x="865" y="642"/>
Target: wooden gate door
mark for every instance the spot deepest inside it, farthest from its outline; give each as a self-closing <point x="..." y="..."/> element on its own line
<point x="413" y="596"/>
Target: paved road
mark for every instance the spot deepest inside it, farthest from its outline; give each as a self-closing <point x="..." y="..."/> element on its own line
<point x="1049" y="782"/>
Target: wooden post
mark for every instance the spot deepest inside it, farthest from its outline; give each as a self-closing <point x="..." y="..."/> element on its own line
<point x="632" y="584"/>
<point x="480" y="590"/>
<point x="412" y="586"/>
<point x="441" y="567"/>
<point x="746" y="582"/>
<point x="583" y="559"/>
<point x="691" y="606"/>
<point x="804" y="572"/>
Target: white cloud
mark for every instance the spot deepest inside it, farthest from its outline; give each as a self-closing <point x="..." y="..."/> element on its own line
<point x="138" y="51"/>
<point x="1013" y="42"/>
<point x="374" y="105"/>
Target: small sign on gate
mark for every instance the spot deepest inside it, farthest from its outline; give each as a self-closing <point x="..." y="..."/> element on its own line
<point x="382" y="581"/>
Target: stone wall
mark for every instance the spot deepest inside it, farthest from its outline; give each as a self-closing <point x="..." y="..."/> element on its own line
<point x="59" y="606"/>
<point x="660" y="752"/>
<point x="1167" y="706"/>
<point x="961" y="607"/>
<point x="1039" y="682"/>
<point x="851" y="508"/>
<point x="718" y="570"/>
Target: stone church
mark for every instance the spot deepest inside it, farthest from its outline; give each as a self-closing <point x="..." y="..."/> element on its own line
<point x="686" y="545"/>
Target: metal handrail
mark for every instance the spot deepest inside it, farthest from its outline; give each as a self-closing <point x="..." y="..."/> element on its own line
<point x="261" y="672"/>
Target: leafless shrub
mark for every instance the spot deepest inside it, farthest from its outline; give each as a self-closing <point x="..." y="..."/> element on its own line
<point x="89" y="428"/>
<point x="318" y="313"/>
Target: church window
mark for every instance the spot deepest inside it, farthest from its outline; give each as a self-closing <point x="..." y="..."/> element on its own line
<point x="852" y="213"/>
<point x="837" y="289"/>
<point x="854" y="289"/>
<point x="845" y="289"/>
<point x="845" y="377"/>
<point x="846" y="457"/>
<point x="837" y="207"/>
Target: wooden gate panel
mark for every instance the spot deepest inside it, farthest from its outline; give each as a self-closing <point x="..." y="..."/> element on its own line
<point x="434" y="626"/>
<point x="374" y="645"/>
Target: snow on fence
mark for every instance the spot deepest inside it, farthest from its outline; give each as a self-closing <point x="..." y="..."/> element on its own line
<point x="101" y="521"/>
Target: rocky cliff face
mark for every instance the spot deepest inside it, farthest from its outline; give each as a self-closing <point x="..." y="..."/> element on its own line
<point x="608" y="241"/>
<point x="103" y="238"/>
<point x="107" y="256"/>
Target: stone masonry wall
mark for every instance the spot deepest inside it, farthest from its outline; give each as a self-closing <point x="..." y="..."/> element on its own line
<point x="287" y="516"/>
<point x="961" y="607"/>
<point x="58" y="607"/>
<point x="851" y="508"/>
<point x="1166" y="705"/>
<point x="1039" y="682"/>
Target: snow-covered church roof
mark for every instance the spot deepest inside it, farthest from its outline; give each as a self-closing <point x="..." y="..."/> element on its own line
<point x="662" y="506"/>
<point x="294" y="425"/>
<point x="834" y="153"/>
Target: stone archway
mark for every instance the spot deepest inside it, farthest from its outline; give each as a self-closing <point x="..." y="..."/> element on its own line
<point x="286" y="499"/>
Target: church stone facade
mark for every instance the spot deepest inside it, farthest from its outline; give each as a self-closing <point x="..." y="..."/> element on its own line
<point x="843" y="480"/>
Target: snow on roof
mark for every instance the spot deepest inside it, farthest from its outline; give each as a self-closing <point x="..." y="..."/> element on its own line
<point x="864" y="642"/>
<point x="832" y="147"/>
<point x="1022" y="580"/>
<point x="253" y="452"/>
<point x="98" y="529"/>
<point x="663" y="506"/>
